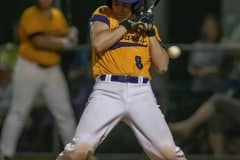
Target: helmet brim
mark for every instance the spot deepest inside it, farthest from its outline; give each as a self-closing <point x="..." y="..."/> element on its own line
<point x="128" y="1"/>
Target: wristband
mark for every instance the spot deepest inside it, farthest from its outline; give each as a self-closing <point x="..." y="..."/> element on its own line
<point x="151" y="33"/>
<point x="126" y="24"/>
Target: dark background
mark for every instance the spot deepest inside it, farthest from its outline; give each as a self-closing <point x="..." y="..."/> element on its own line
<point x="184" y="16"/>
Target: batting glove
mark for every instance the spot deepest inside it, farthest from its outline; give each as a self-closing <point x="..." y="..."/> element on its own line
<point x="146" y="23"/>
<point x="131" y="23"/>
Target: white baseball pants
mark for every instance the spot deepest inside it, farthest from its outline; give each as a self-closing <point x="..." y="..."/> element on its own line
<point x="29" y="80"/>
<point x="135" y="104"/>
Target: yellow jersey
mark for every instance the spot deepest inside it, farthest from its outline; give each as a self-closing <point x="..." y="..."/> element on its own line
<point x="130" y="56"/>
<point x="32" y="23"/>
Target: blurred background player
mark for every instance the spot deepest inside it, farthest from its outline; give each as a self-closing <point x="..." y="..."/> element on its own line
<point x="122" y="57"/>
<point x="220" y="111"/>
<point x="8" y="56"/>
<point x="204" y="67"/>
<point x="44" y="33"/>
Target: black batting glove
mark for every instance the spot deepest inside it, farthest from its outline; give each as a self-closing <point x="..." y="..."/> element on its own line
<point x="151" y="33"/>
<point x="146" y="17"/>
<point x="146" y="24"/>
<point x="130" y="23"/>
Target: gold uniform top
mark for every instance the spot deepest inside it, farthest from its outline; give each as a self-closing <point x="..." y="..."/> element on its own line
<point x="130" y="56"/>
<point x="33" y="23"/>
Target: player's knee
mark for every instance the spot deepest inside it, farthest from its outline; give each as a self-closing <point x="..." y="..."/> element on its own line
<point x="76" y="152"/>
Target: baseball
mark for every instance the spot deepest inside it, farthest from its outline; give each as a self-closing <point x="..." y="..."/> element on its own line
<point x="174" y="52"/>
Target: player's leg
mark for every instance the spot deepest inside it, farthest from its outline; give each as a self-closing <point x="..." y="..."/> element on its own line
<point x="56" y="94"/>
<point x="226" y="118"/>
<point x="103" y="111"/>
<point x="26" y="82"/>
<point x="149" y="148"/>
<point x="184" y="128"/>
<point x="227" y="106"/>
<point x="217" y="104"/>
<point x="145" y="115"/>
<point x="216" y="143"/>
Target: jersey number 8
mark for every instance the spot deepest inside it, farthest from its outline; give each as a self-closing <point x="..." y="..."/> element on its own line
<point x="138" y="61"/>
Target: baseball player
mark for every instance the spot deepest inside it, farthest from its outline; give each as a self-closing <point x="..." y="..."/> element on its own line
<point x="121" y="60"/>
<point x="43" y="33"/>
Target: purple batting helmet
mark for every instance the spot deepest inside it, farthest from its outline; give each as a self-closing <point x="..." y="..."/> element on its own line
<point x="137" y="4"/>
<point x="128" y="1"/>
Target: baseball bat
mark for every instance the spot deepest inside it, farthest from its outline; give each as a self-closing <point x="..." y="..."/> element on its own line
<point x="173" y="51"/>
<point x="152" y="6"/>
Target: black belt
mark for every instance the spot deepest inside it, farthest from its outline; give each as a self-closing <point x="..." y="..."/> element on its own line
<point x="124" y="79"/>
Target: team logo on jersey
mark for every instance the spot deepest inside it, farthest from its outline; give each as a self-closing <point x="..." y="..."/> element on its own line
<point x="135" y="38"/>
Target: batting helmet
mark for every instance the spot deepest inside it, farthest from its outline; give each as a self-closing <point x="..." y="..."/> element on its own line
<point x="137" y="4"/>
<point x="128" y="1"/>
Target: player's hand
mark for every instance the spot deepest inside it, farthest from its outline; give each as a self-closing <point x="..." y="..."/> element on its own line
<point x="146" y="17"/>
<point x="71" y="40"/>
<point x="146" y="23"/>
<point x="131" y="23"/>
<point x="73" y="34"/>
<point x="67" y="43"/>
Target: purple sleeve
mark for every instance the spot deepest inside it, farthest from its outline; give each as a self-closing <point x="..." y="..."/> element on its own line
<point x="100" y="18"/>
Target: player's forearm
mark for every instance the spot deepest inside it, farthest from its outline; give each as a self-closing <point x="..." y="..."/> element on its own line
<point x="50" y="42"/>
<point x="107" y="38"/>
<point x="160" y="58"/>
